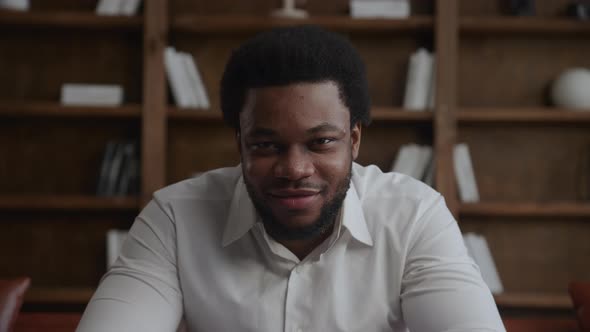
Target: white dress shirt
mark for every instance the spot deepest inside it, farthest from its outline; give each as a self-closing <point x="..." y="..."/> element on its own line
<point x="395" y="262"/>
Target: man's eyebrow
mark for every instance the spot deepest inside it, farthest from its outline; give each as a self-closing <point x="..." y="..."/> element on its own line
<point x="324" y="127"/>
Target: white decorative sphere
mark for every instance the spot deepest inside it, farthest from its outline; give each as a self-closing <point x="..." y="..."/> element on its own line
<point x="572" y="89"/>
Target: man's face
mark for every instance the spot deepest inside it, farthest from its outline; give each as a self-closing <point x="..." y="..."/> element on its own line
<point x="297" y="148"/>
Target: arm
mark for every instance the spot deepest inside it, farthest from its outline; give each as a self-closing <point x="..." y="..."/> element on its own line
<point x="442" y="288"/>
<point x="141" y="291"/>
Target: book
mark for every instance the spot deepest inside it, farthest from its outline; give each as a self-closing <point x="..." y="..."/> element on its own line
<point x="103" y="177"/>
<point x="114" y="173"/>
<point x="18" y="5"/>
<point x="115" y="239"/>
<point x="419" y="81"/>
<point x="75" y="94"/>
<point x="464" y="174"/>
<point x="178" y="79"/>
<point x="413" y="160"/>
<point x="108" y="7"/>
<point x="196" y="81"/>
<point x="478" y="249"/>
<point x="379" y="8"/>
<point x="129" y="7"/>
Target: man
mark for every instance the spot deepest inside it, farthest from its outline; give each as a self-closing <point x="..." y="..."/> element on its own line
<point x="298" y="237"/>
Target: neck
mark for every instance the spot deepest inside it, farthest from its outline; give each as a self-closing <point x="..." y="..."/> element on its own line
<point x="302" y="248"/>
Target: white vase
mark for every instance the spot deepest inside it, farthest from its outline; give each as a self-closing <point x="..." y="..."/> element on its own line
<point x="571" y="89"/>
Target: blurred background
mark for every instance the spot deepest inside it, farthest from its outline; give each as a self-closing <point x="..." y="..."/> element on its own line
<point x="104" y="102"/>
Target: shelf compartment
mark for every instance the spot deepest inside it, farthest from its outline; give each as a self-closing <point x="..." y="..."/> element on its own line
<point x="34" y="109"/>
<point x="522" y="115"/>
<point x="69" y="19"/>
<point x="378" y="114"/>
<point x="509" y="25"/>
<point x="251" y="24"/>
<point x="526" y="209"/>
<point x="533" y="301"/>
<point x="67" y="202"/>
<point x="61" y="295"/>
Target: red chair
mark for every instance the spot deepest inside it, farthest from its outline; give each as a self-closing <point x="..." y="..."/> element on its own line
<point x="580" y="294"/>
<point x="11" y="299"/>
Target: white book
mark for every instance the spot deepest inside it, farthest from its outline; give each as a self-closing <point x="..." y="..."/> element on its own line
<point x="197" y="85"/>
<point x="379" y="9"/>
<point x="418" y="80"/>
<point x="413" y="160"/>
<point x="19" y="5"/>
<point x="129" y="7"/>
<point x="404" y="160"/>
<point x="115" y="240"/>
<point x="464" y="174"/>
<point x="108" y="7"/>
<point x="176" y="78"/>
<point x="91" y="94"/>
<point x="478" y="249"/>
<point x="424" y="158"/>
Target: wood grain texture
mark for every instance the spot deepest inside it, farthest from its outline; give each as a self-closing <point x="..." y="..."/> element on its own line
<point x="536" y="254"/>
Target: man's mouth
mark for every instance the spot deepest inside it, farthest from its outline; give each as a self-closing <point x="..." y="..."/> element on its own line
<point x="294" y="199"/>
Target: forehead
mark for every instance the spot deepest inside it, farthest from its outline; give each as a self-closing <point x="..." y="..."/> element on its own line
<point x="300" y="105"/>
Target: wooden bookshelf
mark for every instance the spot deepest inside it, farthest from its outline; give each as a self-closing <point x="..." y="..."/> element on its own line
<point x="523" y="115"/>
<point x="69" y="19"/>
<point x="509" y="209"/>
<point x="491" y="93"/>
<point x="41" y="109"/>
<point x="533" y="301"/>
<point x="522" y="25"/>
<point x="58" y="295"/>
<point x="68" y="203"/>
<point x="250" y="24"/>
<point x="377" y="114"/>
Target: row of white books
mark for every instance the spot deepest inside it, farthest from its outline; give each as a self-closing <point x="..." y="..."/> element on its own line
<point x="119" y="171"/>
<point x="185" y="80"/>
<point x="480" y="252"/>
<point x="80" y="94"/>
<point x="379" y="8"/>
<point x="417" y="161"/>
<point x="118" y="7"/>
<point x="20" y="5"/>
<point x="420" y="81"/>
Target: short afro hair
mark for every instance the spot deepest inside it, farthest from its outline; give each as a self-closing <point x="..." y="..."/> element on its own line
<point x="298" y="54"/>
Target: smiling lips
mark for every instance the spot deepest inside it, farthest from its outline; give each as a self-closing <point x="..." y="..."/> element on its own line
<point x="294" y="199"/>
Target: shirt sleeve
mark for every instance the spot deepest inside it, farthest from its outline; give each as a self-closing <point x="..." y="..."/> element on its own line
<point x="442" y="288"/>
<point x="141" y="291"/>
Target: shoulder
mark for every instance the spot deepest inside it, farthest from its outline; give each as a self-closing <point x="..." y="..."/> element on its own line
<point x="214" y="185"/>
<point x="392" y="199"/>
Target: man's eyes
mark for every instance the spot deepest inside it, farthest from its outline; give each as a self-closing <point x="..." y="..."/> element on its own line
<point x="273" y="147"/>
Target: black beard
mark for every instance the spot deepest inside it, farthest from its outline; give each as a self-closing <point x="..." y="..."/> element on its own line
<point x="321" y="225"/>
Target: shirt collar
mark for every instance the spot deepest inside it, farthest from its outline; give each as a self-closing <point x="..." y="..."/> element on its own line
<point x="243" y="216"/>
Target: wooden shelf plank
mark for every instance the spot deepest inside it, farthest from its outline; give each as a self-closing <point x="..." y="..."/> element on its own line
<point x="69" y="19"/>
<point x="249" y="24"/>
<point x="526" y="209"/>
<point x="533" y="301"/>
<point x="378" y="114"/>
<point x="60" y="295"/>
<point x="67" y="202"/>
<point x="522" y="115"/>
<point x="24" y="109"/>
<point x="537" y="25"/>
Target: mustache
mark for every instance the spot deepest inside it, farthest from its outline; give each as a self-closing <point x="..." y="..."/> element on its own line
<point x="299" y="185"/>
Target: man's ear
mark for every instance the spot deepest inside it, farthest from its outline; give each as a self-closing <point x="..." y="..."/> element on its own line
<point x="355" y="139"/>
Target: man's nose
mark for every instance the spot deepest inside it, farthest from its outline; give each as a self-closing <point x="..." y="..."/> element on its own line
<point x="294" y="163"/>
